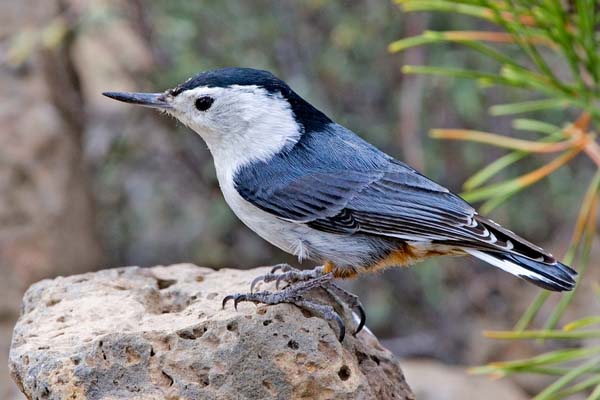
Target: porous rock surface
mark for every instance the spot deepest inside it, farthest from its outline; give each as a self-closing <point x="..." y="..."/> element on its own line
<point x="160" y="333"/>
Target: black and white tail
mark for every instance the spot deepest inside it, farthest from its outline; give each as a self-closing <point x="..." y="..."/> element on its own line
<point x="521" y="258"/>
<point x="554" y="276"/>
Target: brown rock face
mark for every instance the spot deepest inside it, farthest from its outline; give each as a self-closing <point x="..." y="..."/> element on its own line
<point x="160" y="333"/>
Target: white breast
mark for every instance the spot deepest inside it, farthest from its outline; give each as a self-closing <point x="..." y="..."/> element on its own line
<point x="283" y="234"/>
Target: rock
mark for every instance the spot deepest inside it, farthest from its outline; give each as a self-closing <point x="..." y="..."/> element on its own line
<point x="452" y="382"/>
<point x="160" y="333"/>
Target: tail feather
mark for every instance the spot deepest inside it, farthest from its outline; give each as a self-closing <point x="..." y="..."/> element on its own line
<point x="548" y="275"/>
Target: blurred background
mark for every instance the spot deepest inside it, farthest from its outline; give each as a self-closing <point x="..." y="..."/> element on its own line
<point x="88" y="183"/>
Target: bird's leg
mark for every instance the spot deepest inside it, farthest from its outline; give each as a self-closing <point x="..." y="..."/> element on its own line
<point x="299" y="282"/>
<point x="293" y="294"/>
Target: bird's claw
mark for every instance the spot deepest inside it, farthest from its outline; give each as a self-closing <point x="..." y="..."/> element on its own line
<point x="226" y="299"/>
<point x="362" y="319"/>
<point x="283" y="267"/>
<point x="256" y="280"/>
<point x="341" y="326"/>
<point x="340" y="323"/>
<point x="279" y="279"/>
<point x="272" y="276"/>
<point x="342" y="296"/>
<point x="237" y="298"/>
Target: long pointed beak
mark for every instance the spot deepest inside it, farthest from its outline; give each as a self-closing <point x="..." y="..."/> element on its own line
<point x="154" y="100"/>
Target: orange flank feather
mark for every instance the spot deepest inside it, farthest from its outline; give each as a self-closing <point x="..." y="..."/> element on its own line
<point x="406" y="254"/>
<point x="339" y="272"/>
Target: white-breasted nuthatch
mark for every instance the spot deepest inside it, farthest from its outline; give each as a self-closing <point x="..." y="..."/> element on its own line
<point x="316" y="190"/>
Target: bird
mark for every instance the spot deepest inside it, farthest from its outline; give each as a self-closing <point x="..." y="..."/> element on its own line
<point x="317" y="190"/>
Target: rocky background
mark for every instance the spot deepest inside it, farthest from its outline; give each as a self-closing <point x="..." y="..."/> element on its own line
<point x="88" y="183"/>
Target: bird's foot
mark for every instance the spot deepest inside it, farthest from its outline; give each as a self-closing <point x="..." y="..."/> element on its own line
<point x="291" y="275"/>
<point x="299" y="283"/>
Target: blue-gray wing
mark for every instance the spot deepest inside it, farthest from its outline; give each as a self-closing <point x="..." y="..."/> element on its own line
<point x="336" y="182"/>
<point x="391" y="203"/>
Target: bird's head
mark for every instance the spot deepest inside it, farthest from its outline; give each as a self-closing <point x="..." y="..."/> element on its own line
<point x="239" y="112"/>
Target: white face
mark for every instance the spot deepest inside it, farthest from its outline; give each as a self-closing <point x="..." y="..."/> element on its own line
<point x="240" y="124"/>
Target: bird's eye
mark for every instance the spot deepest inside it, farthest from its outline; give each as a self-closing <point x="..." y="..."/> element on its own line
<point x="203" y="103"/>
